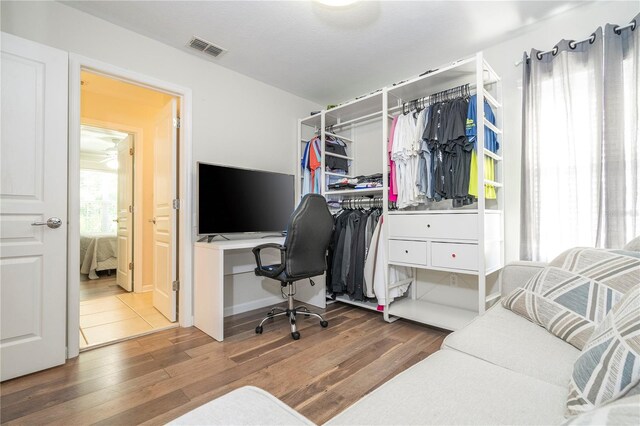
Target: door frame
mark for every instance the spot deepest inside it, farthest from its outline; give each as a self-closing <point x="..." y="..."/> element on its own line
<point x="77" y="63"/>
<point x="138" y="221"/>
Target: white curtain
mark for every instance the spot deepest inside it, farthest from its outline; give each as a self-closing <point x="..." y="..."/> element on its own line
<point x="580" y="155"/>
<point x="620" y="204"/>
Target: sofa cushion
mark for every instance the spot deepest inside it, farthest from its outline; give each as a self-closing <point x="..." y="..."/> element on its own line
<point x="573" y="294"/>
<point x="623" y="412"/>
<point x="244" y="406"/>
<point x="609" y="365"/>
<point x="510" y="341"/>
<point x="451" y="387"/>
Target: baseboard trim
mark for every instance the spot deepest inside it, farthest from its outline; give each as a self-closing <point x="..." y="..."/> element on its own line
<point x="254" y="304"/>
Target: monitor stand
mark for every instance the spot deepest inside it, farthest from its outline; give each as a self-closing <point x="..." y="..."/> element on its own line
<point x="209" y="238"/>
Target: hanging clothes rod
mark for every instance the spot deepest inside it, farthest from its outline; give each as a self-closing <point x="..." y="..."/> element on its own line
<point x="590" y="39"/>
<point x="463" y="90"/>
<point x="355" y="120"/>
<point x="361" y="203"/>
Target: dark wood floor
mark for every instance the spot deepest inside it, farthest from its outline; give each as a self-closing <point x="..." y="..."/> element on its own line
<point x="156" y="378"/>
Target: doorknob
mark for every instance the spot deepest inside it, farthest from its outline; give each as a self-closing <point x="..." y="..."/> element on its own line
<point x="52" y="222"/>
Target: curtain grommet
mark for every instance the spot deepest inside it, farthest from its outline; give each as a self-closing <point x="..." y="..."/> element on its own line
<point x="539" y="56"/>
<point x="554" y="51"/>
<point x="572" y="44"/>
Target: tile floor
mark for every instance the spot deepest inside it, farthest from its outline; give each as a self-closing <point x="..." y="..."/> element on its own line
<point x="119" y="317"/>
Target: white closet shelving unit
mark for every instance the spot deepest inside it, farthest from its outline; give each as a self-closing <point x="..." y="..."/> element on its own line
<point x="343" y="122"/>
<point x="465" y="241"/>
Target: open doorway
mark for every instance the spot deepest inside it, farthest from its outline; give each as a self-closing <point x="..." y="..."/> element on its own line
<point x="128" y="252"/>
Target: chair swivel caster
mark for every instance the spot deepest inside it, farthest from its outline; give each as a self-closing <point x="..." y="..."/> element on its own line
<point x="295" y="335"/>
<point x="324" y="324"/>
<point x="258" y="330"/>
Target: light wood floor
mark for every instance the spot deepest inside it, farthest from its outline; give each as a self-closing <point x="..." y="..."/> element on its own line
<point x="119" y="317"/>
<point x="156" y="378"/>
<point x="104" y="286"/>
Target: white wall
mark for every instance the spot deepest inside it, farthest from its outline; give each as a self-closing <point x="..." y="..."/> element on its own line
<point x="576" y="24"/>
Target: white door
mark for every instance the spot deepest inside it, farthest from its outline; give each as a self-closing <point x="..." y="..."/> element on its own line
<point x="33" y="207"/>
<point x="164" y="192"/>
<point x="124" y="273"/>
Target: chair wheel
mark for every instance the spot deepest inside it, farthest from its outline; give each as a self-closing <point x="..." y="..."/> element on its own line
<point x="258" y="330"/>
<point x="324" y="324"/>
<point x="295" y="335"/>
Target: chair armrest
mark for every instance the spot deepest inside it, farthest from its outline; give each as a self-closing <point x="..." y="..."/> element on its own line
<point x="259" y="269"/>
<point x="516" y="274"/>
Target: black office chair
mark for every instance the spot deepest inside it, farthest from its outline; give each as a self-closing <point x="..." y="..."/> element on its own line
<point x="303" y="255"/>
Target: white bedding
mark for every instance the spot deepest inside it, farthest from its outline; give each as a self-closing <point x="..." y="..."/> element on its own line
<point x="98" y="252"/>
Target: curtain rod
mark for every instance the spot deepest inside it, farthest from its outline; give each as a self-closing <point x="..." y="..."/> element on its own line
<point x="590" y="39"/>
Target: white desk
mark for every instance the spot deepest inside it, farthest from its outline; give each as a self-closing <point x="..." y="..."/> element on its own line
<point x="209" y="272"/>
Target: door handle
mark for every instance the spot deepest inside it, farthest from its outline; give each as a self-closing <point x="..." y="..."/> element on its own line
<point x="152" y="220"/>
<point x="52" y="222"/>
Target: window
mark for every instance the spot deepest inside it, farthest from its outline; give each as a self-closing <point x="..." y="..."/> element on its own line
<point x="98" y="202"/>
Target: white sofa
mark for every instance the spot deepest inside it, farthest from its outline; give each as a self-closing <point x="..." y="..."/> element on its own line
<point x="500" y="369"/>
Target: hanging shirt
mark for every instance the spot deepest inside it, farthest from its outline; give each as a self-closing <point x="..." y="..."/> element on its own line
<point x="306" y="172"/>
<point x="424" y="154"/>
<point x="490" y="142"/>
<point x="393" y="188"/>
<point x="405" y="155"/>
<point x="375" y="270"/>
<point x="336" y="146"/>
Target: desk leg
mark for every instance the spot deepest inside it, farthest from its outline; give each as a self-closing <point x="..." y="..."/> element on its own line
<point x="209" y="292"/>
<point x="217" y="277"/>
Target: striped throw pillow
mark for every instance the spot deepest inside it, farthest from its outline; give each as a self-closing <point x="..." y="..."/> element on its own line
<point x="576" y="291"/>
<point x="623" y="412"/>
<point x="609" y="365"/>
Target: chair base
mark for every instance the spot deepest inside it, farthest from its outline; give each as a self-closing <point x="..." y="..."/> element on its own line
<point x="291" y="312"/>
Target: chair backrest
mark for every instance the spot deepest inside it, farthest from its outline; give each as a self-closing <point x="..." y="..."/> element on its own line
<point x="308" y="235"/>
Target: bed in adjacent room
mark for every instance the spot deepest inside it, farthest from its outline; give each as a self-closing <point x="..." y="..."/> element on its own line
<point x="98" y="252"/>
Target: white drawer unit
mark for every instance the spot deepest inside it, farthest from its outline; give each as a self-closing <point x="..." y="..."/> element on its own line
<point x="454" y="256"/>
<point x="412" y="252"/>
<point x="457" y="226"/>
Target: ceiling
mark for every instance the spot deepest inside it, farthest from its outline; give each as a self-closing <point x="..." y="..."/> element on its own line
<point x="327" y="54"/>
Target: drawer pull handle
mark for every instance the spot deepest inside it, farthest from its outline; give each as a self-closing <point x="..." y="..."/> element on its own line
<point x="428" y="225"/>
<point x="453" y="255"/>
<point x="406" y="251"/>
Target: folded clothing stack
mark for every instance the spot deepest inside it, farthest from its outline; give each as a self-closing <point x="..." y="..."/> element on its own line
<point x="358" y="182"/>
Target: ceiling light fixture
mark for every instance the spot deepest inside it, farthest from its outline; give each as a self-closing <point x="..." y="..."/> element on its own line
<point x="337" y="3"/>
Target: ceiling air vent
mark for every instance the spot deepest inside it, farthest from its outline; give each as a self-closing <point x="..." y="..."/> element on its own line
<point x="206" y="47"/>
